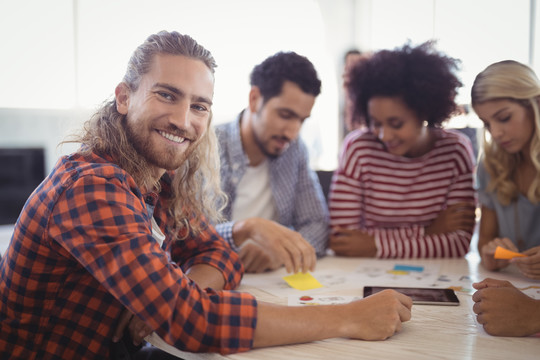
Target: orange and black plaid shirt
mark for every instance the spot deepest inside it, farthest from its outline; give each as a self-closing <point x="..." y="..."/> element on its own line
<point x="83" y="250"/>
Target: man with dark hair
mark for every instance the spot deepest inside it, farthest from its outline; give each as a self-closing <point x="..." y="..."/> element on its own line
<point x="277" y="213"/>
<point x="120" y="227"/>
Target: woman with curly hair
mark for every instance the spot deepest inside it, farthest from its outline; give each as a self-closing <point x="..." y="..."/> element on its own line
<point x="506" y="97"/>
<point x="404" y="186"/>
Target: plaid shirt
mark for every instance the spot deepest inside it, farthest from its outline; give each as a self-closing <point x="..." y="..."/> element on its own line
<point x="295" y="187"/>
<point x="83" y="250"/>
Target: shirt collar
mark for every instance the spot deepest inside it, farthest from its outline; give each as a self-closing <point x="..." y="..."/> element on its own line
<point x="237" y="151"/>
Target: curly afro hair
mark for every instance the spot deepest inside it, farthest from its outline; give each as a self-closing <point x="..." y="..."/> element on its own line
<point x="270" y="75"/>
<point x="422" y="77"/>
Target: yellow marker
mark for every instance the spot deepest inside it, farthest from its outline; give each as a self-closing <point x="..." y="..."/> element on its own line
<point x="302" y="281"/>
<point x="502" y="253"/>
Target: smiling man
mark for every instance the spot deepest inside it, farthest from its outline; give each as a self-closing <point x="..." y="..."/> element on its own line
<point x="277" y="213"/>
<point x="119" y="227"/>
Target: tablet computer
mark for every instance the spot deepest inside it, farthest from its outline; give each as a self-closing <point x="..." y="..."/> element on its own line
<point x="420" y="296"/>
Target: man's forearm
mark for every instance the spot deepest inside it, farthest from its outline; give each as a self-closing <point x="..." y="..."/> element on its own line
<point x="206" y="276"/>
<point x="376" y="317"/>
<point x="278" y="325"/>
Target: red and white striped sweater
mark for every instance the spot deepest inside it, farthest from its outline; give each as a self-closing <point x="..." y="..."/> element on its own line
<point x="393" y="197"/>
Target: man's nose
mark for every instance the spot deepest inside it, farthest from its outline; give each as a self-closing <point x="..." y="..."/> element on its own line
<point x="180" y="117"/>
<point x="292" y="129"/>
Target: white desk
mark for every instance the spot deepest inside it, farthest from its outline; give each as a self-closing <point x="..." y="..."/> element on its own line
<point x="5" y="236"/>
<point x="434" y="332"/>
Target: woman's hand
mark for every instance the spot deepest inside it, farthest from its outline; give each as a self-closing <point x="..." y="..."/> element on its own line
<point x="530" y="265"/>
<point x="456" y="217"/>
<point x="487" y="253"/>
<point x="346" y="242"/>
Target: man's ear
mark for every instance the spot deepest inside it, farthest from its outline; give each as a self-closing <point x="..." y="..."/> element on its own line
<point x="121" y="94"/>
<point x="255" y="99"/>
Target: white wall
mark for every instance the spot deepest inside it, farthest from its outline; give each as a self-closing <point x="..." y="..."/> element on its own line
<point x="367" y="24"/>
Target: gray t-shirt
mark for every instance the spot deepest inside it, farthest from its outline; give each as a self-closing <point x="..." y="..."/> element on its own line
<point x="525" y="213"/>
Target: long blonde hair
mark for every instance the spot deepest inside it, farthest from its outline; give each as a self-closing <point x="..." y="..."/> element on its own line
<point x="196" y="190"/>
<point x="513" y="81"/>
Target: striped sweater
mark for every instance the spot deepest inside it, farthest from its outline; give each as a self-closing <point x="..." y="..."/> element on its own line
<point x="393" y="198"/>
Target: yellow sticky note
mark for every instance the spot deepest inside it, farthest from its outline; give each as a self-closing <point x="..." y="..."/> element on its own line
<point x="398" y="272"/>
<point x="302" y="281"/>
<point x="502" y="253"/>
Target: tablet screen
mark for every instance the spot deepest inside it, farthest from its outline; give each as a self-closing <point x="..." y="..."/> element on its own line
<point x="420" y="296"/>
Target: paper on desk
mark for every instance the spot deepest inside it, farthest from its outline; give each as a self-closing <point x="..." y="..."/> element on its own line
<point x="307" y="300"/>
<point x="158" y="342"/>
<point x="302" y="281"/>
<point x="379" y="272"/>
<point x="502" y="253"/>
<point x="273" y="283"/>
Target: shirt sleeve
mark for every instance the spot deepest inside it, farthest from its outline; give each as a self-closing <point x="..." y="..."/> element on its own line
<point x="311" y="217"/>
<point x="104" y="226"/>
<point x="225" y="229"/>
<point x="482" y="180"/>
<point x="209" y="248"/>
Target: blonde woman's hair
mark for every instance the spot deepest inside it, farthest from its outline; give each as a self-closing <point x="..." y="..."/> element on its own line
<point x="517" y="82"/>
<point x="196" y="190"/>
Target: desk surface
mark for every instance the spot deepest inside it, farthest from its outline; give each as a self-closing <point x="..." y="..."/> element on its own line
<point x="434" y="332"/>
<point x="442" y="332"/>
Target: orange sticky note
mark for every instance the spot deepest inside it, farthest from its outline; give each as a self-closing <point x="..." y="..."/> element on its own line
<point x="502" y="253"/>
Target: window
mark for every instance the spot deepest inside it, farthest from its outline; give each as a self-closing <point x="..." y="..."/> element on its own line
<point x="70" y="54"/>
<point x="73" y="53"/>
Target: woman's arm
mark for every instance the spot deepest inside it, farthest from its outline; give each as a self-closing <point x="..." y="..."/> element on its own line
<point x="488" y="240"/>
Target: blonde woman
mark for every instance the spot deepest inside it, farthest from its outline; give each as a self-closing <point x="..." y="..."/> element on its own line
<point x="506" y="97"/>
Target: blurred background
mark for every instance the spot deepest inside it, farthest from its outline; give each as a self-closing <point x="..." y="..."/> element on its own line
<point x="62" y="58"/>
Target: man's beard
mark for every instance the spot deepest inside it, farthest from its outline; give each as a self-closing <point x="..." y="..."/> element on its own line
<point x="263" y="149"/>
<point x="168" y="160"/>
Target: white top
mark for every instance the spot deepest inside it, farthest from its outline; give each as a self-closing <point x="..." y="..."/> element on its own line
<point x="254" y="195"/>
<point x="157" y="234"/>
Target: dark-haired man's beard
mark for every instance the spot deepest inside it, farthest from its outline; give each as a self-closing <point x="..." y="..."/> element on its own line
<point x="265" y="147"/>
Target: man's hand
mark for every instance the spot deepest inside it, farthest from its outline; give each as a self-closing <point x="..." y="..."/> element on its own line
<point x="487" y="253"/>
<point x="138" y="329"/>
<point x="346" y="242"/>
<point x="530" y="265"/>
<point x="256" y="258"/>
<point x="379" y="316"/>
<point x="376" y="317"/>
<point x="504" y="310"/>
<point x="282" y="245"/>
<point x="455" y="217"/>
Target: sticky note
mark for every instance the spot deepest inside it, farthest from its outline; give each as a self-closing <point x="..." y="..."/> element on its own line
<point x="398" y="272"/>
<point x="408" y="268"/>
<point x="302" y="281"/>
<point x="502" y="253"/>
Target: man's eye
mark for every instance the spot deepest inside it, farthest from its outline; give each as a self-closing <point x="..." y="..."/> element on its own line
<point x="199" y="107"/>
<point x="286" y="115"/>
<point x="165" y="95"/>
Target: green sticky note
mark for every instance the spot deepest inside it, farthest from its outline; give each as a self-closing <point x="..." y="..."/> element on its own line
<point x="302" y="281"/>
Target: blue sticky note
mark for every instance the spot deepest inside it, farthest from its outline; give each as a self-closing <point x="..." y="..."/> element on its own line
<point x="408" y="268"/>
